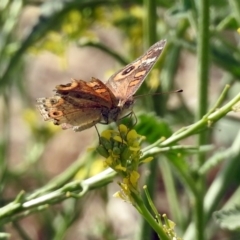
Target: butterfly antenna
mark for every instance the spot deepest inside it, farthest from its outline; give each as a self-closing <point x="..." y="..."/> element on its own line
<point x="151" y="94"/>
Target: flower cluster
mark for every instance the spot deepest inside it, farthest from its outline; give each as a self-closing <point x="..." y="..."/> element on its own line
<point x="168" y="228"/>
<point x="122" y="152"/>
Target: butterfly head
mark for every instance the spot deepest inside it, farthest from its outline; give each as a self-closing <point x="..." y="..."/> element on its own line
<point x="124" y="109"/>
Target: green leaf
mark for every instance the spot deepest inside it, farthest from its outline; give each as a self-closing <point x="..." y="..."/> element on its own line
<point x="152" y="127"/>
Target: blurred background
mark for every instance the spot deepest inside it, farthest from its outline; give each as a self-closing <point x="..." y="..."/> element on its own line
<point x="46" y="43"/>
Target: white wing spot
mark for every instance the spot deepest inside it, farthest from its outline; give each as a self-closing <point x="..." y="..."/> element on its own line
<point x="149" y="60"/>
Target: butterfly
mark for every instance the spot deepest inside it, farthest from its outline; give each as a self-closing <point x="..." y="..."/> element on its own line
<point x="82" y="104"/>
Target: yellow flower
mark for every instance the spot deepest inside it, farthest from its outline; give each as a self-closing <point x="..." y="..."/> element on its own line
<point x="134" y="176"/>
<point x="122" y="152"/>
<point x="146" y="160"/>
<point x="106" y="134"/>
<point x="120" y="167"/>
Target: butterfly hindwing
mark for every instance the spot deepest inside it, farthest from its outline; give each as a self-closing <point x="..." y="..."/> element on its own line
<point x="62" y="111"/>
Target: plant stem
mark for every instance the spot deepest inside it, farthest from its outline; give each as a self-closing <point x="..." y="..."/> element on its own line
<point x="150" y="33"/>
<point x="149" y="218"/>
<point x="203" y="70"/>
<point x="20" y="207"/>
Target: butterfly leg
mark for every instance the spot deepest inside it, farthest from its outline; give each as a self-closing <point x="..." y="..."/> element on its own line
<point x="136" y="120"/>
<point x="98" y="134"/>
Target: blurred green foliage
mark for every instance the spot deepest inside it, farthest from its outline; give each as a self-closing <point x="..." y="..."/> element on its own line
<point x="63" y="23"/>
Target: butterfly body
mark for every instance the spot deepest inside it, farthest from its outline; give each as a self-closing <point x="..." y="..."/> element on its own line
<point x="81" y="105"/>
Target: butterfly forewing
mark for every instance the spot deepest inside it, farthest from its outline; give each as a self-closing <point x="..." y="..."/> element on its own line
<point x="126" y="82"/>
<point x="94" y="90"/>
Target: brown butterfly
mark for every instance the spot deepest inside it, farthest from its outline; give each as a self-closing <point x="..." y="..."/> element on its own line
<point x="81" y="105"/>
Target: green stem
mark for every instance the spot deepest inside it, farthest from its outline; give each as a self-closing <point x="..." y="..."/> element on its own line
<point x="140" y="206"/>
<point x="5" y="138"/>
<point x="150" y="21"/>
<point x="150" y="37"/>
<point x="203" y="67"/>
<point x="220" y="99"/>
<point x="203" y="72"/>
<point x="171" y="191"/>
<point x="20" y="206"/>
<point x="224" y="110"/>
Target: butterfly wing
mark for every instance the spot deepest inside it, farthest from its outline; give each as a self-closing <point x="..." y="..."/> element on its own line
<point x="80" y="105"/>
<point x="94" y="90"/>
<point x="69" y="113"/>
<point x="126" y="81"/>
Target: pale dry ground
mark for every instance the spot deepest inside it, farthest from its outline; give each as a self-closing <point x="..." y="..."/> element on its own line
<point x="43" y="73"/>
